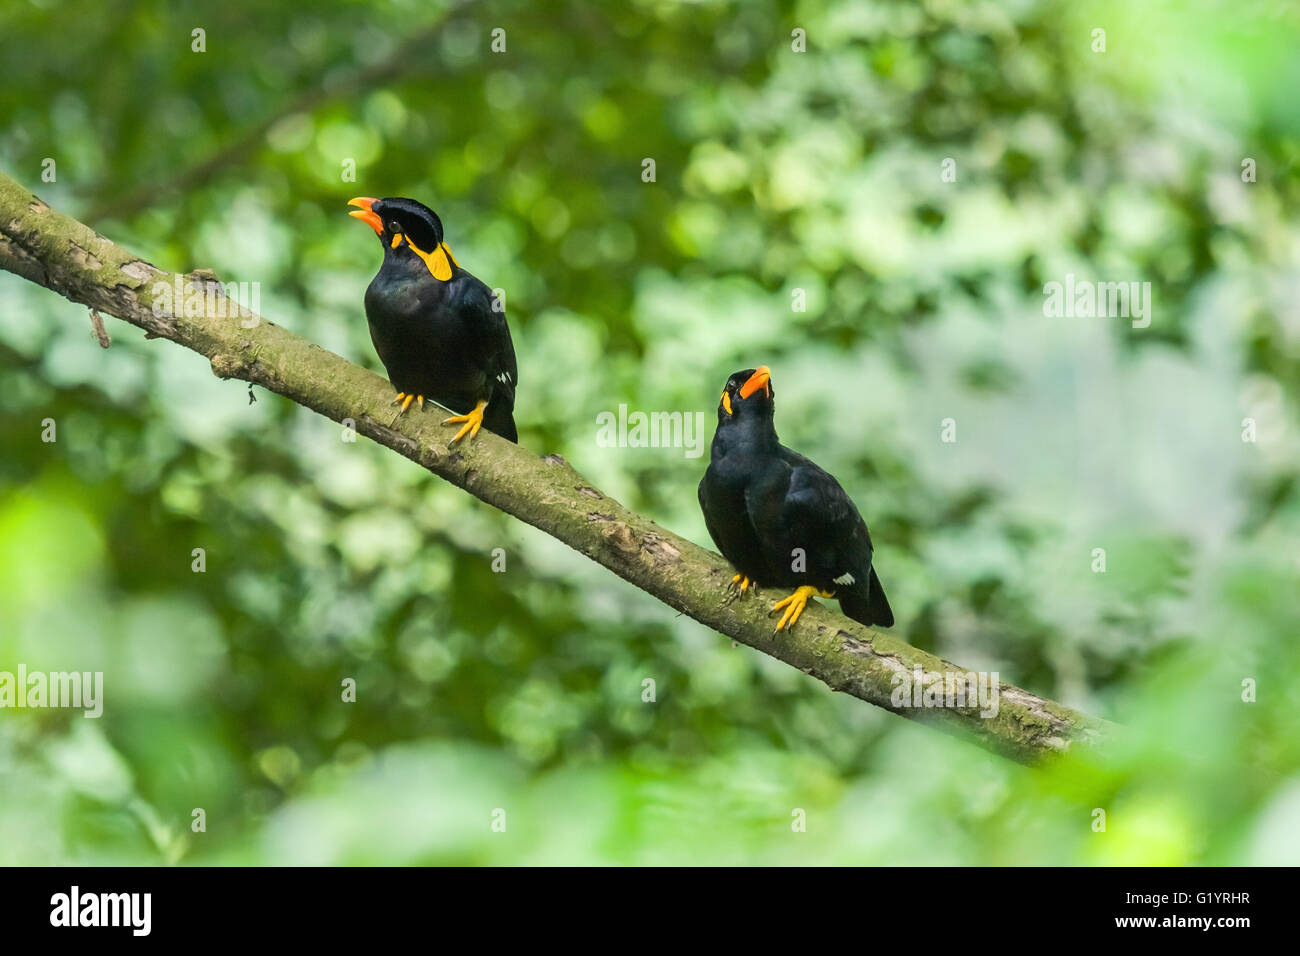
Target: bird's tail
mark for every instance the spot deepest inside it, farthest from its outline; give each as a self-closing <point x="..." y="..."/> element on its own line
<point x="871" y="609"/>
<point x="499" y="419"/>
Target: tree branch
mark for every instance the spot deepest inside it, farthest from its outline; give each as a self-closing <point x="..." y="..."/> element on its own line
<point x="61" y="254"/>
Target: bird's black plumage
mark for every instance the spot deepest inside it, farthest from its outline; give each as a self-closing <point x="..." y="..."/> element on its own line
<point x="777" y="517"/>
<point x="433" y="324"/>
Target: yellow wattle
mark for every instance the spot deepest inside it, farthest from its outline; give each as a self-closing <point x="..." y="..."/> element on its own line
<point x="437" y="262"/>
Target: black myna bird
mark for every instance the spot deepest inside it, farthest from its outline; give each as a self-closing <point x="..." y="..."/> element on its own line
<point x="781" y="520"/>
<point x="434" y="325"/>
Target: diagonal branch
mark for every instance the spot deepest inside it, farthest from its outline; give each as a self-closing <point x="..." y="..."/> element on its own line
<point x="61" y="254"/>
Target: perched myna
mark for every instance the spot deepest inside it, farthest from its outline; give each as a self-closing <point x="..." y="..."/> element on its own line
<point x="434" y="325"/>
<point x="781" y="520"/>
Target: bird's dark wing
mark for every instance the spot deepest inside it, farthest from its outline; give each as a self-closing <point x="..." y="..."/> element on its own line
<point x="814" y="513"/>
<point x="844" y="551"/>
<point x="496" y="350"/>
<point x="496" y="356"/>
<point x="709" y="521"/>
<point x="507" y="376"/>
<point x="730" y="527"/>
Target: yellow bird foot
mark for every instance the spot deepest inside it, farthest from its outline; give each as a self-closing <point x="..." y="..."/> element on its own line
<point x="405" y="400"/>
<point x="795" y="604"/>
<point x="741" y="582"/>
<point x="473" y="421"/>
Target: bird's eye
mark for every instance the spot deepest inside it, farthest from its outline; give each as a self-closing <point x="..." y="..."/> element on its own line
<point x="394" y="226"/>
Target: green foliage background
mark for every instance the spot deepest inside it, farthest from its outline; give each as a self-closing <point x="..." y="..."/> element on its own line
<point x="776" y="171"/>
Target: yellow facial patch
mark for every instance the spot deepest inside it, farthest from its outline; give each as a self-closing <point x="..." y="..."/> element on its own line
<point x="726" y="402"/>
<point x="437" y="261"/>
<point x="396" y="239"/>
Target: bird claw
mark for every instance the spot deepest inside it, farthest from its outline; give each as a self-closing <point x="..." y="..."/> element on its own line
<point x="473" y="421"/>
<point x="794" y="606"/>
<point x="741" y="583"/>
<point x="406" y="400"/>
<point x="738" y="588"/>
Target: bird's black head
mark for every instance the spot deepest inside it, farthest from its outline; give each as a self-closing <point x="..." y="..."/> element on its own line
<point x="747" y="397"/>
<point x="406" y="228"/>
<point x="400" y="217"/>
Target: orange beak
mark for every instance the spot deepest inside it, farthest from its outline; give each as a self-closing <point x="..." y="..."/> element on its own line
<point x="762" y="375"/>
<point x="366" y="214"/>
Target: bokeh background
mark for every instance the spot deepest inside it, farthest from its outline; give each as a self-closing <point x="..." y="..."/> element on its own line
<point x="776" y="171"/>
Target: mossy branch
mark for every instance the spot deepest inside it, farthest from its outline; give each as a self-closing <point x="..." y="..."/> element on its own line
<point x="55" y="251"/>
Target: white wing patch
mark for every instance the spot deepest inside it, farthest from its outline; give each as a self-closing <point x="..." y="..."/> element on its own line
<point x="845" y="579"/>
<point x="504" y="378"/>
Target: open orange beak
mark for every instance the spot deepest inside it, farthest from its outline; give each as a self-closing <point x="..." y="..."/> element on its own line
<point x="762" y="375"/>
<point x="366" y="214"/>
